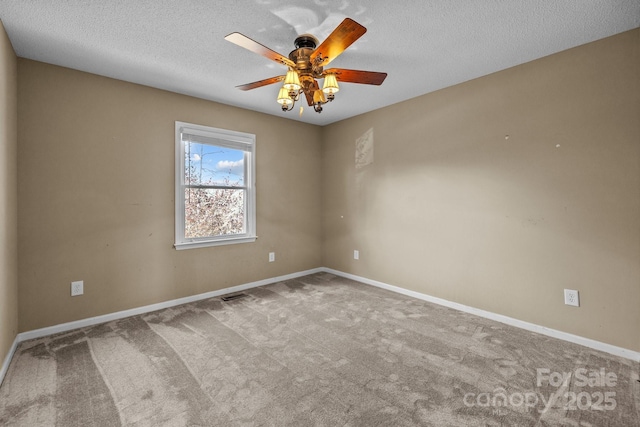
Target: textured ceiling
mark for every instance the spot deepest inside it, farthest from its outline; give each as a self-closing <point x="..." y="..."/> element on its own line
<point x="423" y="45"/>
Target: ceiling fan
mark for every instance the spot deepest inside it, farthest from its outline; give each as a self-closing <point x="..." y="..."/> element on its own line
<point x="306" y="64"/>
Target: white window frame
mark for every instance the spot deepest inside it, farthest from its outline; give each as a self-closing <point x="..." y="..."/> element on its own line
<point x="224" y="138"/>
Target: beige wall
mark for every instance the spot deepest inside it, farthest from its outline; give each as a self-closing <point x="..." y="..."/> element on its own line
<point x="450" y="207"/>
<point x="453" y="209"/>
<point x="96" y="188"/>
<point x="8" y="196"/>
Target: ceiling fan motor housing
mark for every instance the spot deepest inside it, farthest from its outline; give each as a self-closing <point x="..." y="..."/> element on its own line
<point x="305" y="45"/>
<point x="305" y="40"/>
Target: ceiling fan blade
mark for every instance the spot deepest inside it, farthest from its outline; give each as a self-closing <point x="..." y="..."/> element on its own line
<point x="261" y="83"/>
<point x="341" y="38"/>
<point x="309" y="96"/>
<point x="255" y="47"/>
<point x="310" y="91"/>
<point x="357" y="76"/>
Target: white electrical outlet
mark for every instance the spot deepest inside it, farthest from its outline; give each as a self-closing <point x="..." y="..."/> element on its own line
<point x="272" y="256"/>
<point x="356" y="254"/>
<point x="571" y="297"/>
<point x="77" y="288"/>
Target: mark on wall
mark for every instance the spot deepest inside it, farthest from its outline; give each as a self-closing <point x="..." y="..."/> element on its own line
<point x="364" y="149"/>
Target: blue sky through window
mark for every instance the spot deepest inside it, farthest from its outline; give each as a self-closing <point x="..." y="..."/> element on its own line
<point x="213" y="165"/>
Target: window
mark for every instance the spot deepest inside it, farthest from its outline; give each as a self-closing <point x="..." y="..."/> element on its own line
<point x="215" y="186"/>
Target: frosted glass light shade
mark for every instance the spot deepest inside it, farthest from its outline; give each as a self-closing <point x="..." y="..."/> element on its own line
<point x="330" y="85"/>
<point x="292" y="81"/>
<point x="318" y="97"/>
<point x="283" y="97"/>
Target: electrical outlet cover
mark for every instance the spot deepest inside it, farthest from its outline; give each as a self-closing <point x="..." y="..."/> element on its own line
<point x="571" y="297"/>
<point x="77" y="288"/>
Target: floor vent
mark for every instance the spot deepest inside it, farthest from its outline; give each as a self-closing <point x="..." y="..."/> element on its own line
<point x="233" y="297"/>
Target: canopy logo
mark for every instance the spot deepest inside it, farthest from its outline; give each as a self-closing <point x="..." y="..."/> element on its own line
<point x="560" y="399"/>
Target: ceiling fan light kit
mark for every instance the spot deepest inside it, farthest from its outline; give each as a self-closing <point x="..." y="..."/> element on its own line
<point x="306" y="65"/>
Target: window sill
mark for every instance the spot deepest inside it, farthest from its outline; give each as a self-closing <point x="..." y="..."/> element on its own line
<point x="217" y="242"/>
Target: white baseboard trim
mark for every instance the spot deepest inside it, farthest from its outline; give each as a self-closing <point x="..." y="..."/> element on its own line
<point x="64" y="327"/>
<point x="576" y="339"/>
<point x="7" y="359"/>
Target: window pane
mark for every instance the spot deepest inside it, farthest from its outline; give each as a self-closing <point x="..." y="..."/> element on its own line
<point x="215" y="186"/>
<point x="213" y="165"/>
<point x="213" y="212"/>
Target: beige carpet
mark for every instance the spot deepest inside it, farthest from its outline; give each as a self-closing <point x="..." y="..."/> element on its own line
<point x="320" y="350"/>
